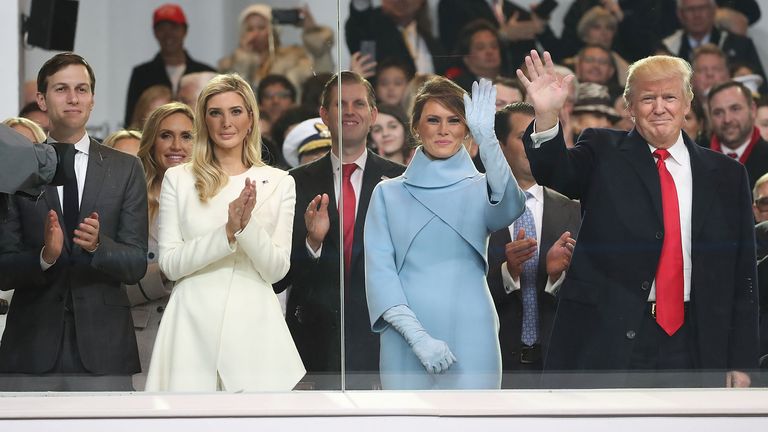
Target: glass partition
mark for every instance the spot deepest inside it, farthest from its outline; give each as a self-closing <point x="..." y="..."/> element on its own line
<point x="347" y="211"/>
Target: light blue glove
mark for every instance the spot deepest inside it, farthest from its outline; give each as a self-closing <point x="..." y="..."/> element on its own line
<point x="434" y="354"/>
<point x="480" y="111"/>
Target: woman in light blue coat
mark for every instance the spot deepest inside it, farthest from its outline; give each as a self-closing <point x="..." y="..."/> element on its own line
<point x="426" y="235"/>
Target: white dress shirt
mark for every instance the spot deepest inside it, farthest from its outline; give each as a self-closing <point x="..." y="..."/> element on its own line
<point x="357" y="184"/>
<point x="738" y="150"/>
<point x="418" y="49"/>
<point x="679" y="166"/>
<point x="81" y="167"/>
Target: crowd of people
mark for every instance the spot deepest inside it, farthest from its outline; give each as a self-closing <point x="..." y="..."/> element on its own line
<point x="490" y="207"/>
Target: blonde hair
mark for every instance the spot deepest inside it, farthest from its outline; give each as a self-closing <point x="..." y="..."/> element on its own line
<point x="149" y="95"/>
<point x="592" y="18"/>
<point x="209" y="176"/>
<point x="659" y="67"/>
<point x="147" y="155"/>
<point x="117" y="135"/>
<point x="33" y="127"/>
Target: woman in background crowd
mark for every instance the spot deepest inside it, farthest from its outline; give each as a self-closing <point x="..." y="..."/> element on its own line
<point x="225" y="237"/>
<point x="26" y="127"/>
<point x="426" y="235"/>
<point x="125" y="140"/>
<point x="391" y="135"/>
<point x="165" y="143"/>
<point x="150" y="99"/>
<point x="259" y="52"/>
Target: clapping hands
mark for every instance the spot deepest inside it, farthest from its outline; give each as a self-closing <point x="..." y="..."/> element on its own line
<point x="240" y="209"/>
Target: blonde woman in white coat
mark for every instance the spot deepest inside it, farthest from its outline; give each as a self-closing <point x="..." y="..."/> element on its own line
<point x="225" y="237"/>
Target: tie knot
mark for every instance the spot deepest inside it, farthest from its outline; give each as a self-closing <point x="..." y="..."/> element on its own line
<point x="733" y="155"/>
<point x="528" y="195"/>
<point x="662" y="154"/>
<point x="348" y="169"/>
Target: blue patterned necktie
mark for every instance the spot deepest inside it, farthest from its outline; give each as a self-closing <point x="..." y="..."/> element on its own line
<point x="530" y="329"/>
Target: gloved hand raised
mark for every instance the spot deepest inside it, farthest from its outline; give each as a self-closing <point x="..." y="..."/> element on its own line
<point x="480" y="110"/>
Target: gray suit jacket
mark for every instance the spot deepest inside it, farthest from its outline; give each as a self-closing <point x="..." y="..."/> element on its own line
<point x="115" y="189"/>
<point x="560" y="214"/>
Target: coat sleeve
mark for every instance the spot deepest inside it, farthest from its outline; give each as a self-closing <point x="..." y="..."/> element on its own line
<point x="507" y="200"/>
<point x="382" y="282"/>
<point x="565" y="170"/>
<point x="179" y="256"/>
<point x="743" y="351"/>
<point x="124" y="257"/>
<point x="270" y="253"/>
<point x="19" y="261"/>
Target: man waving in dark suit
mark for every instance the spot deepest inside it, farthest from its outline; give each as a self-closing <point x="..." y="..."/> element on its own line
<point x="65" y="254"/>
<point x="523" y="277"/>
<point x="343" y="179"/>
<point x="663" y="278"/>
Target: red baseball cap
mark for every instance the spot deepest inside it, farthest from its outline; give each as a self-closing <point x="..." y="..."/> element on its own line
<point x="169" y="12"/>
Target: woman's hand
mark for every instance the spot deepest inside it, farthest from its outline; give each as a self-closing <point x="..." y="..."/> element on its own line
<point x="547" y="91"/>
<point x="239" y="207"/>
<point x="250" y="203"/>
<point x="480" y="111"/>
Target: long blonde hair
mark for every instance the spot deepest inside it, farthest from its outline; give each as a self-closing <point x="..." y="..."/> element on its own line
<point x="147" y="154"/>
<point x="209" y="176"/>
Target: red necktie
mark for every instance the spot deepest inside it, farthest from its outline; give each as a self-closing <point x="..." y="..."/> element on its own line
<point x="669" y="275"/>
<point x="349" y="211"/>
<point x="733" y="155"/>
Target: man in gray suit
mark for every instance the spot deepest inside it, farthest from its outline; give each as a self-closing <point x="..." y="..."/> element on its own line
<point x="522" y="277"/>
<point x="67" y="252"/>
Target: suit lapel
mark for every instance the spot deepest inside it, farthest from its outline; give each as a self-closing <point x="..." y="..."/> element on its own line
<point x="320" y="174"/>
<point x="371" y="177"/>
<point x="552" y="219"/>
<point x="635" y="148"/>
<point x="704" y="181"/>
<point x="94" y="179"/>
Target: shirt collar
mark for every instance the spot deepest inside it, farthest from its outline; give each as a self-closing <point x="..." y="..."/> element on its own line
<point x="360" y="161"/>
<point x="537" y="191"/>
<point x="678" y="152"/>
<point x="83" y="145"/>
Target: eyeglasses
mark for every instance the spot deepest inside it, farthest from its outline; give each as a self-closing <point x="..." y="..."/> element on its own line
<point x="597" y="60"/>
<point x="762" y="204"/>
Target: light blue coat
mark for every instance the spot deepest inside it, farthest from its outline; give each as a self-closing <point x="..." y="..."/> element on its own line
<point x="426" y="237"/>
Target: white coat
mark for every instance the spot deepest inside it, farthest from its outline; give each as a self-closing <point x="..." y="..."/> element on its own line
<point x="223" y="327"/>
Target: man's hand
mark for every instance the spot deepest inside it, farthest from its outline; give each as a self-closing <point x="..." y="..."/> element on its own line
<point x="317" y="221"/>
<point x="737" y="379"/>
<point x="519" y="251"/>
<point x="87" y="233"/>
<point x="559" y="256"/>
<point x="53" y="237"/>
<point x="546" y="90"/>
